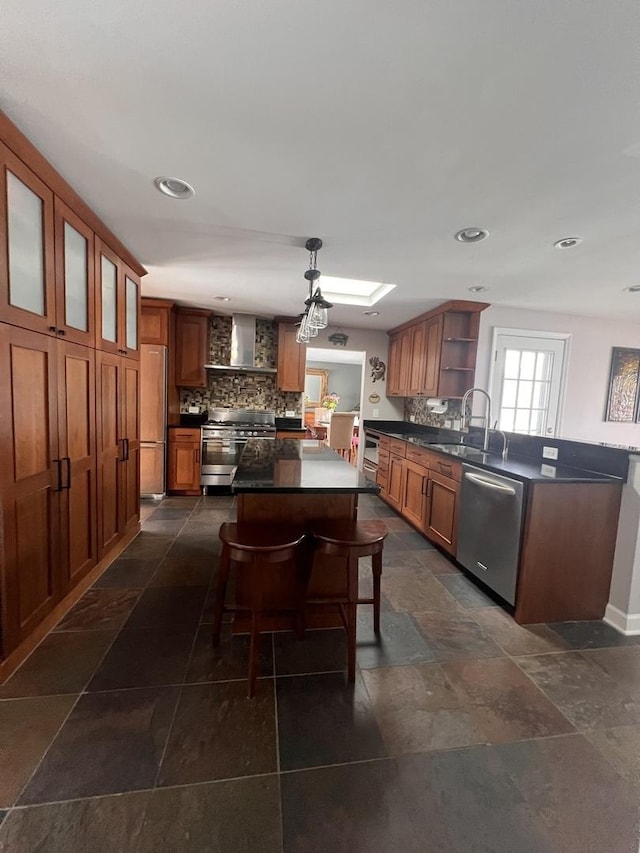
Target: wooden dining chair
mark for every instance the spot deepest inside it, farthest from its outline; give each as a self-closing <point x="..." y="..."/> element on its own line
<point x="340" y="432"/>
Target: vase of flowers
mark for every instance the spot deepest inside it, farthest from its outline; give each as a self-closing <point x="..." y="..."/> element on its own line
<point x="330" y="402"/>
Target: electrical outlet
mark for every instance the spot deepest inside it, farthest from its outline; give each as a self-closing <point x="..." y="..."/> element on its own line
<point x="456" y="424"/>
<point x="412" y="418"/>
<point x="549" y="452"/>
<point x="376" y="413"/>
<point x="289" y="413"/>
<point x="548" y="470"/>
<point x="447" y="424"/>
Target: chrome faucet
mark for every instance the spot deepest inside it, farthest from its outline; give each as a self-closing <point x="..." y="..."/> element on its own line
<point x="505" y="443"/>
<point x="487" y="418"/>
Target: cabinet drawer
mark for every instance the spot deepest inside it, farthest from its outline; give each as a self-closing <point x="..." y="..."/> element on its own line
<point x="184" y="435"/>
<point x="381" y="478"/>
<point x="399" y="448"/>
<point x="419" y="455"/>
<point x="443" y="466"/>
<point x="383" y="457"/>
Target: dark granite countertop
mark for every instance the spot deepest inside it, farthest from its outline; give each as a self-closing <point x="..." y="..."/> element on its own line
<point x="291" y="465"/>
<point x="519" y="467"/>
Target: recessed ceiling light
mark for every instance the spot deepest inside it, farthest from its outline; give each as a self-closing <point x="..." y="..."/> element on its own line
<point x="567" y="242"/>
<point x="477" y="288"/>
<point x="223" y="298"/>
<point x="371" y="313"/>
<point x="175" y="187"/>
<point x="635" y="288"/>
<point x="471" y="235"/>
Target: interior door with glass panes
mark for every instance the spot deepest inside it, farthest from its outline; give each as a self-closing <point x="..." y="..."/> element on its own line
<point x="526" y="383"/>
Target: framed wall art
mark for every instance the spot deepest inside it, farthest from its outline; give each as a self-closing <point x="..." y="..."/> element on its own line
<point x="622" y="400"/>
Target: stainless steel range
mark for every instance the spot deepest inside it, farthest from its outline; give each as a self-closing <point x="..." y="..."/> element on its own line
<point x="223" y="439"/>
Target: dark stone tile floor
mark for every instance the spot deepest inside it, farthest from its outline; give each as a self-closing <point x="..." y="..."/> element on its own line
<point x="126" y="732"/>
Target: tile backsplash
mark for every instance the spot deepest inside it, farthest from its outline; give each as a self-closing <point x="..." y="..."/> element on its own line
<point x="417" y="406"/>
<point x="241" y="390"/>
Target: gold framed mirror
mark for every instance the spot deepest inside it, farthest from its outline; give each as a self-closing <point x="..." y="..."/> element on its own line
<point x="315" y="386"/>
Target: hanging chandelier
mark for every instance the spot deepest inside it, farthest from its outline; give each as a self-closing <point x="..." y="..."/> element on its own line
<point x="315" y="316"/>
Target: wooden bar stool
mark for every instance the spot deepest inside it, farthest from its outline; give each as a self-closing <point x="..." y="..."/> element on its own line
<point x="254" y="548"/>
<point x="352" y="540"/>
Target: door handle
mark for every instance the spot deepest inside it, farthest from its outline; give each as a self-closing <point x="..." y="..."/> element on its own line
<point x="67" y="461"/>
<point x="197" y="455"/>
<point x="126" y="449"/>
<point x="58" y="463"/>
<point x="121" y="456"/>
<point x="489" y="484"/>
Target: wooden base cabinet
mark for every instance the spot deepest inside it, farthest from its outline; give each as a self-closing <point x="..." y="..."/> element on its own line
<point x="183" y="463"/>
<point x="118" y="433"/>
<point x="48" y="488"/>
<point x="414" y="493"/>
<point x="441" y="508"/>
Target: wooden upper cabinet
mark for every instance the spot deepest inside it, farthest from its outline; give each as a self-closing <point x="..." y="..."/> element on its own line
<point x="292" y="359"/>
<point x="108" y="272"/>
<point x="433" y="343"/>
<point x="27" y="278"/>
<point x="435" y="355"/>
<point x="417" y="359"/>
<point x="192" y="347"/>
<point x="75" y="268"/>
<point x="399" y="363"/>
<point x="117" y="301"/>
<point x="130" y="314"/>
<point x="393" y="367"/>
<point x="155" y="322"/>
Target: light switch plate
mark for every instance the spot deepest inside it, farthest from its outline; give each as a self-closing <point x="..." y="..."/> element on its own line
<point x="376" y="413"/>
<point x="447" y="424"/>
<point x="194" y="410"/>
<point x="289" y="413"/>
<point x="549" y="452"/>
<point x="412" y="418"/>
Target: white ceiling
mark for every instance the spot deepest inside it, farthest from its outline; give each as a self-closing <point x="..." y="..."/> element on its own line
<point x="381" y="127"/>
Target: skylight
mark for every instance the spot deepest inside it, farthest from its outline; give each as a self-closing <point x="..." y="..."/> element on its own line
<point x="349" y="291"/>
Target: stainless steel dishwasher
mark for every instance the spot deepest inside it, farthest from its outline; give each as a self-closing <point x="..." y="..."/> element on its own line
<point x="489" y="528"/>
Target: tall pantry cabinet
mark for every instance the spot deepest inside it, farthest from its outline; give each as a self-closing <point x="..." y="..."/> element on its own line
<point x="69" y="436"/>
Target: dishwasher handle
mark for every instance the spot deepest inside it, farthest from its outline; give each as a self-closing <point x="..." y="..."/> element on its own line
<point x="489" y="484"/>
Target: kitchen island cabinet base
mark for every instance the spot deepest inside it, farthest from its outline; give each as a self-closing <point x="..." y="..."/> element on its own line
<point x="328" y="575"/>
<point x="567" y="552"/>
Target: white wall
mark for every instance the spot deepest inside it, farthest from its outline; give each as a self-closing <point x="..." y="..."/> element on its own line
<point x="345" y="380"/>
<point x="371" y="343"/>
<point x="588" y="368"/>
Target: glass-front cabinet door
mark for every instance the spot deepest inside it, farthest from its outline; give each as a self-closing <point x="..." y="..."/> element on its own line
<point x="75" y="303"/>
<point x="131" y="311"/>
<point x="108" y="305"/>
<point x="26" y="247"/>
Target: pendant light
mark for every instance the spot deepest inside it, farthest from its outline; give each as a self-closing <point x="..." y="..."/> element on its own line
<point x="315" y="316"/>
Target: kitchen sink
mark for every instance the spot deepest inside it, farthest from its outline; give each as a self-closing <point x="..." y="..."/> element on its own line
<point x="463" y="450"/>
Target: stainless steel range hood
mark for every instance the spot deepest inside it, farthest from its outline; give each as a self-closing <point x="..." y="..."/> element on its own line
<point x="243" y="347"/>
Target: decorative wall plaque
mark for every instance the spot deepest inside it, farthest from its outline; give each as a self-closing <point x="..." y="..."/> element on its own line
<point x="622" y="400"/>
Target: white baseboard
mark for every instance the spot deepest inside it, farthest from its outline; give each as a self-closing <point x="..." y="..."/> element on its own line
<point x="627" y="623"/>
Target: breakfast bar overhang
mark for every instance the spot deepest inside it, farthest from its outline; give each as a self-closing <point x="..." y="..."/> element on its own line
<point x="287" y="481"/>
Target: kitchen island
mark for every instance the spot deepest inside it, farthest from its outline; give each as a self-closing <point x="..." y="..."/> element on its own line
<point x="297" y="482"/>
